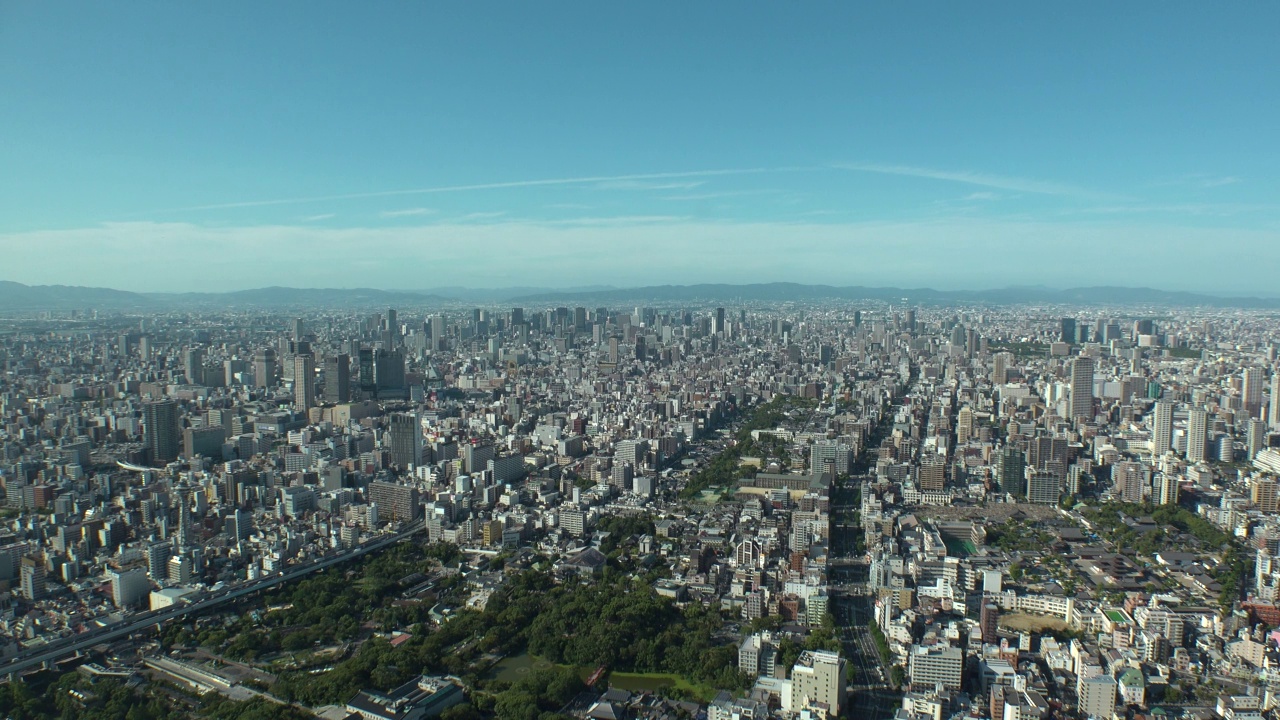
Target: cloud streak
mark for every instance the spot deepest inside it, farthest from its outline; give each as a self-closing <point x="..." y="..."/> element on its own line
<point x="999" y="182"/>
<point x="551" y="182"/>
<point x="407" y="212"/>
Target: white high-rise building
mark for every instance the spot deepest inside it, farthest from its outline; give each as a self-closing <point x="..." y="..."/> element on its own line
<point x="1197" y="435"/>
<point x="1097" y="697"/>
<point x="1167" y="489"/>
<point x="929" y="666"/>
<point x="129" y="587"/>
<point x="818" y="677"/>
<point x="1162" y="429"/>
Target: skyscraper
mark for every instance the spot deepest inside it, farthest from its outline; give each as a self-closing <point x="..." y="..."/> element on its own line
<point x="1197" y="435"/>
<point x="1162" y="428"/>
<point x="304" y="382"/>
<point x="1068" y="333"/>
<point x="193" y="366"/>
<point x="337" y="378"/>
<point x="1010" y="467"/>
<point x="1000" y="368"/>
<point x="1252" y="391"/>
<point x="163" y="436"/>
<point x="933" y="474"/>
<point x="1082" y="388"/>
<point x="1255" y="437"/>
<point x="1275" y="400"/>
<point x="406" y="439"/>
<point x="264" y="368"/>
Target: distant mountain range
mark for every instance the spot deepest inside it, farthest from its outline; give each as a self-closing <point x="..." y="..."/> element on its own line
<point x="781" y="292"/>
<point x="16" y="296"/>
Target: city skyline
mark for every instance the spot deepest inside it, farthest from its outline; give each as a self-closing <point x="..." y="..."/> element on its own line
<point x="623" y="146"/>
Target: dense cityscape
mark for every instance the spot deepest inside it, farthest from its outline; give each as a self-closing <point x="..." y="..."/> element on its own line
<point x="712" y="510"/>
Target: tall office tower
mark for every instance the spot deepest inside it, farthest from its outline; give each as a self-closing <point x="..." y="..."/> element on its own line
<point x="163" y="436"/>
<point x="1167" y="489"/>
<point x="1197" y="435"/>
<point x="933" y="474"/>
<point x="264" y="368"/>
<point x="304" y="382"/>
<point x="857" y="319"/>
<point x="392" y="324"/>
<point x="193" y="366"/>
<point x="128" y="587"/>
<point x="911" y="320"/>
<point x="31" y="577"/>
<point x="1010" y="467"/>
<point x="158" y="560"/>
<point x="1162" y="428"/>
<point x="203" y="441"/>
<point x="437" y="332"/>
<point x="388" y="373"/>
<point x="299" y="329"/>
<point x="1252" y="391"/>
<point x="368" y="384"/>
<point x="337" y="378"/>
<point x="641" y="353"/>
<point x="1255" y="437"/>
<point x="182" y="506"/>
<point x="1000" y="368"/>
<point x="613" y="350"/>
<point x="517" y="316"/>
<point x="1082" y="388"/>
<point x="718" y="325"/>
<point x="964" y="425"/>
<point x="406" y="439"/>
<point x="1275" y="400"/>
<point x="1068" y="332"/>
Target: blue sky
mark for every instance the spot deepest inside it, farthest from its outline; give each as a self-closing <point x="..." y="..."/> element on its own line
<point x="410" y="145"/>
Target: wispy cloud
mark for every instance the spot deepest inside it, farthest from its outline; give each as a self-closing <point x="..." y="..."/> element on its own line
<point x="716" y="195"/>
<point x="481" y="215"/>
<point x="643" y="185"/>
<point x="618" y="220"/>
<point x="1000" y="182"/>
<point x="318" y="218"/>
<point x="984" y="195"/>
<point x="407" y="212"/>
<point x="1205" y="209"/>
<point x="587" y="180"/>
<point x="1220" y="181"/>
